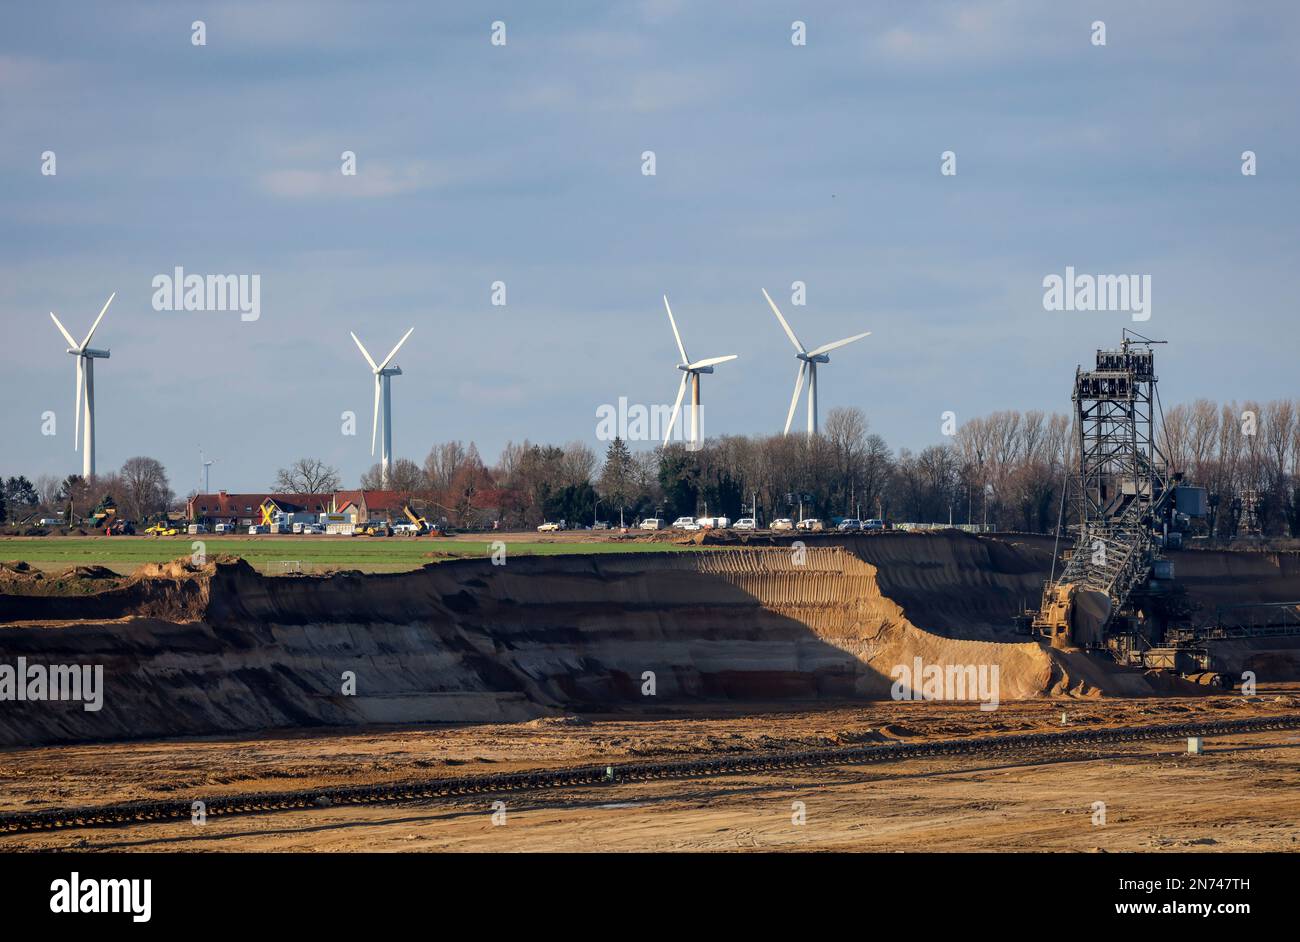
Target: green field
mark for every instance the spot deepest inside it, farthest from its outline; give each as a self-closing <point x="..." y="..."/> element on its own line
<point x="275" y="554"/>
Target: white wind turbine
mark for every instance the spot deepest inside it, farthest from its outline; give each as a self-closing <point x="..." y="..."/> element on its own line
<point x="690" y="371"/>
<point x="207" y="464"/>
<point x="807" y="368"/>
<point x="383" y="393"/>
<point x="86" y="358"/>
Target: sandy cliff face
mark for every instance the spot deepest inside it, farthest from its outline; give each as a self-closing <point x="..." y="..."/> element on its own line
<point x="226" y="649"/>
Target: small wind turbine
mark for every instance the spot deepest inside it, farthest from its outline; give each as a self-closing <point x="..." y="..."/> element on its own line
<point x="807" y="368"/>
<point x="207" y="463"/>
<point x="690" y="371"/>
<point x="383" y="393"/>
<point x="86" y="358"/>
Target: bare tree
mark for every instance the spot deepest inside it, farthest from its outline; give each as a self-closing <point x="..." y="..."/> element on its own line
<point x="307" y="476"/>
<point x="144" y="489"/>
<point x="48" y="488"/>
<point x="404" y="477"/>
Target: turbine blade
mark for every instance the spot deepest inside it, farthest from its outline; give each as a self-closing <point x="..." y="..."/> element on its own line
<point x="66" y="336"/>
<point x="76" y="434"/>
<point x="388" y="359"/>
<point x="711" y="361"/>
<point x="95" y="325"/>
<point x="827" y="348"/>
<point x="677" y="407"/>
<point x="364" y="353"/>
<point x="680" y="346"/>
<point x="794" y="400"/>
<point x="788" y="332"/>
<point x="374" y="422"/>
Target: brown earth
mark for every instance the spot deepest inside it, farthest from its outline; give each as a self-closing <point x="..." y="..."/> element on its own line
<point x="1241" y="795"/>
<point x="221" y="649"/>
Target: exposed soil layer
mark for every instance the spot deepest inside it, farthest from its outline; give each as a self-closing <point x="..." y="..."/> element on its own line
<point x="223" y="649"/>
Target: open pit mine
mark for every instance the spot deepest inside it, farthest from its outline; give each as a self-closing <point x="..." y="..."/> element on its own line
<point x="189" y="650"/>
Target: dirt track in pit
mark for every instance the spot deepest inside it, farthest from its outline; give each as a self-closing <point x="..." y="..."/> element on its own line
<point x="1239" y="797"/>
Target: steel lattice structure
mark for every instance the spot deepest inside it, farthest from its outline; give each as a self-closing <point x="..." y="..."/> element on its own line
<point x="1120" y="463"/>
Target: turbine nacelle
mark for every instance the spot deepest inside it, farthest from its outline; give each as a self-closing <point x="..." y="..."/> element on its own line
<point x="813" y="358"/>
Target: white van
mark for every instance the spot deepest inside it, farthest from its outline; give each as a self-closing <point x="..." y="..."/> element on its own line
<point x="652" y="523"/>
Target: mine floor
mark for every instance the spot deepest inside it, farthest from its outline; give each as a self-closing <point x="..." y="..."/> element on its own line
<point x="1240" y="795"/>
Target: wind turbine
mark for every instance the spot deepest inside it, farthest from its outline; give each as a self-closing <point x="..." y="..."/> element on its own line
<point x="86" y="358"/>
<point x="207" y="463"/>
<point x="807" y="368"/>
<point x="690" y="371"/>
<point x="383" y="393"/>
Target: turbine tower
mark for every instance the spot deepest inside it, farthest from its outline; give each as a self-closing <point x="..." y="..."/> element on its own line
<point x="86" y="358"/>
<point x="807" y="368"/>
<point x="383" y="395"/>
<point x="690" y="372"/>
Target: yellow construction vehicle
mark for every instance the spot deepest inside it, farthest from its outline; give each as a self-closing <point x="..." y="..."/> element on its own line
<point x="421" y="525"/>
<point x="162" y="529"/>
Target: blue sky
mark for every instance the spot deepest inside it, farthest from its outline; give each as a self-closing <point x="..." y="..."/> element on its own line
<point x="522" y="164"/>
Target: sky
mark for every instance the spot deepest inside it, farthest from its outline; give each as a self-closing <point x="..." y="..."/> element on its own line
<point x="522" y="163"/>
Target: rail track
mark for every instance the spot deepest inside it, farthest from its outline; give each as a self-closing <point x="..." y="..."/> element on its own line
<point x="143" y="812"/>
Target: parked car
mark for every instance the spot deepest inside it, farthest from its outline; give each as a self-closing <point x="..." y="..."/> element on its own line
<point x="196" y="528"/>
<point x="873" y="524"/>
<point x="652" y="523"/>
<point x="783" y="523"/>
<point x="746" y="523"/>
<point x="225" y="528"/>
<point x="849" y="524"/>
<point x="255" y="529"/>
<point x="685" y="523"/>
<point x="600" y="525"/>
<point x="811" y="524"/>
<point x="312" y="528"/>
<point x="551" y="527"/>
<point x="714" y="523"/>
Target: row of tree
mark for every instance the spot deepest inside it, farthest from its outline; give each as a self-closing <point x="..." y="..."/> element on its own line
<point x="139" y="490"/>
<point x="1007" y="470"/>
